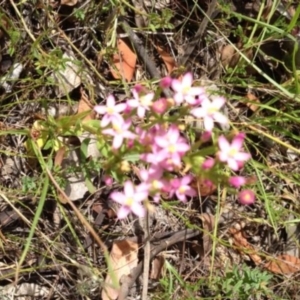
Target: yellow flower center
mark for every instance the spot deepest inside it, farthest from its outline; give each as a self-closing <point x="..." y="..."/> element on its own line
<point x="117" y="128"/>
<point x="232" y="152"/>
<point x="146" y="101"/>
<point x="186" y="89"/>
<point x="172" y="149"/>
<point x="129" y="202"/>
<point x="110" y="110"/>
<point x="182" y="190"/>
<point x="155" y="184"/>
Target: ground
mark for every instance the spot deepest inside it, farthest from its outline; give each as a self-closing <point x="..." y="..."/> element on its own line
<point x="61" y="235"/>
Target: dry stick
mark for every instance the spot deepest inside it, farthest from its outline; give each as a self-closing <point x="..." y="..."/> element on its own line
<point x="143" y="55"/>
<point x="147" y="249"/>
<point x="83" y="221"/>
<point x="163" y="244"/>
<point x="191" y="46"/>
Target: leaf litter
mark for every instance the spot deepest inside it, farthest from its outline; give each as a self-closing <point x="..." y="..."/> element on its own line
<point x="191" y="239"/>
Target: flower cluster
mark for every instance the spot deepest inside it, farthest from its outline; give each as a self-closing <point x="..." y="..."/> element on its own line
<point x="163" y="147"/>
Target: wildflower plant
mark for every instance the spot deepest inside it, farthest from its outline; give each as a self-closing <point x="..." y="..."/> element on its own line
<point x="143" y="129"/>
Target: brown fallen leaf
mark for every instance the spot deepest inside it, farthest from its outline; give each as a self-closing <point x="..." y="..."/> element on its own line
<point x="243" y="246"/>
<point x="283" y="264"/>
<point x="68" y="2"/>
<point x="124" y="62"/>
<point x="253" y="103"/>
<point x="229" y="57"/>
<point x="157" y="267"/>
<point x="208" y="223"/>
<point x="85" y="105"/>
<point x="204" y="187"/>
<point x="124" y="257"/>
<point x="167" y="58"/>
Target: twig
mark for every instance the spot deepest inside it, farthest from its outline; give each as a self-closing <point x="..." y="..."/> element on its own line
<point x="78" y="214"/>
<point x="191" y="46"/>
<point x="143" y="55"/>
<point x="135" y="273"/>
<point x="147" y="249"/>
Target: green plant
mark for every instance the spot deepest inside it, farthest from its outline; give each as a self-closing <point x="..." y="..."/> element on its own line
<point x="244" y="281"/>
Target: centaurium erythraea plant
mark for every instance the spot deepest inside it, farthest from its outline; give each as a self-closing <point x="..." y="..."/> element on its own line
<point x="163" y="149"/>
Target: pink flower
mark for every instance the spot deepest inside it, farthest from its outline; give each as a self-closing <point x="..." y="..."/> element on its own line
<point x="130" y="200"/>
<point x="153" y="178"/>
<point x="246" y="197"/>
<point x="172" y="144"/>
<point x="108" y="180"/>
<point x="237" y="181"/>
<point x="160" y="106"/>
<point x="111" y="111"/>
<point x="206" y="136"/>
<point x="184" y="90"/>
<point x="165" y="82"/>
<point x="141" y="101"/>
<point x="231" y="153"/>
<point x="120" y="132"/>
<point x="155" y="157"/>
<point x="208" y="163"/>
<point x="209" y="111"/>
<point x="180" y="187"/>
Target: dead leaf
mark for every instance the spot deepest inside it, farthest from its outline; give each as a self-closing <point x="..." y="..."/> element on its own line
<point x="85" y="105"/>
<point x="253" y="101"/>
<point x="67" y="79"/>
<point x="283" y="264"/>
<point x="167" y="58"/>
<point x="124" y="257"/>
<point x="59" y="156"/>
<point x="208" y="223"/>
<point x="243" y="246"/>
<point x="229" y="57"/>
<point x="157" y="267"/>
<point x="204" y="187"/>
<point x="124" y="62"/>
<point x="69" y="2"/>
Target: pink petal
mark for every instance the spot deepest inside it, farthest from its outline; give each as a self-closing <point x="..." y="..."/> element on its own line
<point x="196" y="91"/>
<point x="242" y="156"/>
<point x="120" y="107"/>
<point x="141" y="112"/>
<point x="105" y="120"/>
<point x="208" y="123"/>
<point x="223" y="144"/>
<point x="138" y="209"/>
<point x="181" y="197"/>
<point x="246" y="197"/>
<point x="208" y="163"/>
<point x="123" y="212"/>
<point x="178" y="98"/>
<point x="198" y="112"/>
<point x="176" y="85"/>
<point x="109" y="131"/>
<point x="187" y="80"/>
<point x="165" y="82"/>
<point x="238" y="141"/>
<point x="182" y="147"/>
<point x="117" y="142"/>
<point x="237" y="181"/>
<point x="118" y="197"/>
<point x="110" y="101"/>
<point x="218" y="101"/>
<point x="128" y="189"/>
<point x="133" y="103"/>
<point x="220" y="118"/>
<point x="100" y="109"/>
<point x="186" y="179"/>
<point x="232" y="164"/>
